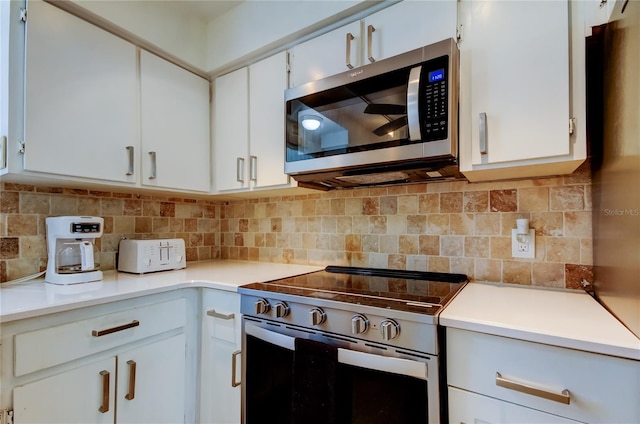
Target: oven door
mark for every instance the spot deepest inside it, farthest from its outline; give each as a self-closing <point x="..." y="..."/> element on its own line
<point x="364" y="383"/>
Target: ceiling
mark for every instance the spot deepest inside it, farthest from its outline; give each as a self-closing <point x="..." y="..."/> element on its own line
<point x="208" y="9"/>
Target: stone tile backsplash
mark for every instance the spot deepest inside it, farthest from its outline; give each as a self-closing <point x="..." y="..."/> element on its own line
<point x="444" y="227"/>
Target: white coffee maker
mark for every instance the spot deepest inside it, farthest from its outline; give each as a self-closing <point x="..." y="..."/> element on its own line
<point x="70" y="246"/>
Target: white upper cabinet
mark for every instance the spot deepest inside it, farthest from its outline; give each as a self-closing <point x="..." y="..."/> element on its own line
<point x="249" y="126"/>
<point x="267" y="83"/>
<point x="231" y="130"/>
<point x="399" y="28"/>
<point x="174" y="126"/>
<point x="4" y="84"/>
<point x="81" y="114"/>
<point x="521" y="108"/>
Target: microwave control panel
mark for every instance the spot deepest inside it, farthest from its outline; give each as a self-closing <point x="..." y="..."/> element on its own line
<point x="435" y="102"/>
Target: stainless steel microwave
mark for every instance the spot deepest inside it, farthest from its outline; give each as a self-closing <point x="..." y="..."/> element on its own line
<point x="392" y="121"/>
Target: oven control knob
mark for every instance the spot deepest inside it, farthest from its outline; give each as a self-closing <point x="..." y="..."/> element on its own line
<point x="281" y="309"/>
<point x="317" y="316"/>
<point x="359" y="324"/>
<point x="261" y="306"/>
<point x="389" y="329"/>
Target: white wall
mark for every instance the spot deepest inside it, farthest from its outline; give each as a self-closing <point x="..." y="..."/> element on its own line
<point x="256" y="25"/>
<point x="166" y="24"/>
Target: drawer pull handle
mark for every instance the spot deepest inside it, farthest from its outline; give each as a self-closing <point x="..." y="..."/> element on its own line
<point x="563" y="397"/>
<point x="100" y="333"/>
<point x="234" y="360"/>
<point x="132" y="381"/>
<point x="348" y="50"/>
<point x="482" y="128"/>
<point x="213" y="313"/>
<point x="105" y="392"/>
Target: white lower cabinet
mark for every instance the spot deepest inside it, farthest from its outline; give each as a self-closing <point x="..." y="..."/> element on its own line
<point x="146" y="385"/>
<point x="220" y="368"/>
<point x="496" y="379"/>
<point x="124" y="362"/>
<point x="470" y="408"/>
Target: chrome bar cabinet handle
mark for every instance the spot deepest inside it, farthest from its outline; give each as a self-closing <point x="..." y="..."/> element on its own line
<point x="130" y="156"/>
<point x="153" y="175"/>
<point x="234" y="361"/>
<point x="100" y="333"/>
<point x="563" y="397"/>
<point x="348" y="50"/>
<point x="370" y="30"/>
<point x="3" y="152"/>
<point x="253" y="168"/>
<point x="213" y="313"/>
<point x="105" y="392"/>
<point x="131" y="393"/>
<point x="240" y="170"/>
<point x="482" y="128"/>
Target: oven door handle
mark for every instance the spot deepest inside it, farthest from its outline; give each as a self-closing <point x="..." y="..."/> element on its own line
<point x="348" y="357"/>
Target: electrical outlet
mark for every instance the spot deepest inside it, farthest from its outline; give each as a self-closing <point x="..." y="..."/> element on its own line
<point x="523" y="250"/>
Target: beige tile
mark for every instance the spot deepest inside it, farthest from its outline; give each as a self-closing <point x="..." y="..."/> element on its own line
<point x="460" y="265"/>
<point x="437" y="224"/>
<point x="388" y="243"/>
<point x="438" y="264"/>
<point x="562" y="249"/>
<point x="408" y="205"/>
<point x="578" y="224"/>
<point x="477" y="247"/>
<point x="516" y="272"/>
<point x="429" y="203"/>
<point x="534" y="199"/>
<point x="488" y="270"/>
<point x="567" y="198"/>
<point x="501" y="247"/>
<point x="487" y="224"/>
<point x="548" y="275"/>
<point x="547" y="223"/>
<point x="408" y="244"/>
<point x="429" y="245"/>
<point x="475" y="201"/>
<point x="461" y="223"/>
<point x="451" y="202"/>
<point x="451" y="245"/>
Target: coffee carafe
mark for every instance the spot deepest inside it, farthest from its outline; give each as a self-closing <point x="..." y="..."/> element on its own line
<point x="70" y="247"/>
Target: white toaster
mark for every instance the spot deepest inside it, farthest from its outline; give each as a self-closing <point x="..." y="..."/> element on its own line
<point x="142" y="256"/>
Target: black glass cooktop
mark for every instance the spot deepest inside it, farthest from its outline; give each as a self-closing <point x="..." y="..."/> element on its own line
<point x="411" y="291"/>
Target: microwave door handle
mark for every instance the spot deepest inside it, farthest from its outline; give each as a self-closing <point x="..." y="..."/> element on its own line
<point x="413" y="103"/>
<point x="383" y="363"/>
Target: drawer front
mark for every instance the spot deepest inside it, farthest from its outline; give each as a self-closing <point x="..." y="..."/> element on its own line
<point x="468" y="408"/>
<point x="43" y="348"/>
<point x="599" y="388"/>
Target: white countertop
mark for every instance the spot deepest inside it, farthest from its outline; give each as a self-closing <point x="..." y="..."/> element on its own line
<point x="570" y="319"/>
<point x="36" y="298"/>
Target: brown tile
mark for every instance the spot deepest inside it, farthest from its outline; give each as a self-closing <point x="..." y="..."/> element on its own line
<point x="34" y="203"/>
<point x="501" y="247"/>
<point x="9" y="247"/>
<point x="439" y="264"/>
<point x="89" y="206"/>
<point x="408" y="245"/>
<point x="451" y="202"/>
<point x="429" y="245"/>
<point x="151" y="208"/>
<point x="353" y="243"/>
<point x="370" y="206"/>
<point x="503" y="200"/>
<point x="9" y="202"/>
<point x="167" y="209"/>
<point x="579" y="277"/>
<point x="461" y="223"/>
<point x="397" y="262"/>
<point x="21" y="225"/>
<point x="437" y="224"/>
<point x="416" y="224"/>
<point x="143" y="224"/>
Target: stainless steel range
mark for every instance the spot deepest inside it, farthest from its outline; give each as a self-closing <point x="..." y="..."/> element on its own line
<point x="345" y="345"/>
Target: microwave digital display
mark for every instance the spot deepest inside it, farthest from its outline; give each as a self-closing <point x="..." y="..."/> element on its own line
<point x="435" y="76"/>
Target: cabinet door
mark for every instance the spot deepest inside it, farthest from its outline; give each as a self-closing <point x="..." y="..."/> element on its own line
<point x="174" y="126"/>
<point x="468" y="407"/>
<point x="220" y="401"/>
<point x="80" y="395"/>
<point x="231" y="130"/>
<point x="514" y="94"/>
<point x="267" y="83"/>
<point x="327" y="54"/>
<point x="408" y="25"/>
<point x="4" y="83"/>
<point x="81" y="100"/>
<point x="152" y="382"/>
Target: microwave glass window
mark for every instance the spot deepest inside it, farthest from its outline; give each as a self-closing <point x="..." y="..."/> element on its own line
<point x="368" y="114"/>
